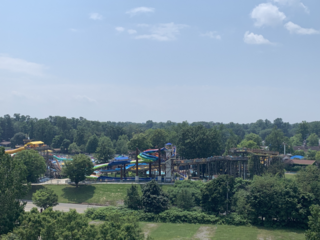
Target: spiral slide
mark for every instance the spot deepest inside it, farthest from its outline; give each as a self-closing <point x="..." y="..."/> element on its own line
<point x="146" y="157"/>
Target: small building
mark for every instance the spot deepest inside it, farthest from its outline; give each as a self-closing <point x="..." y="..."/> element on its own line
<point x="299" y="163"/>
<point x="5" y="144"/>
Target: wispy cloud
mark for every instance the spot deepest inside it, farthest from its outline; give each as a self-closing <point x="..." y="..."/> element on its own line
<point x="140" y="10"/>
<point x="120" y="29"/>
<point x="255" y="39"/>
<point x="296" y="3"/>
<point x="267" y="14"/>
<point x="296" y="29"/>
<point x="162" y="32"/>
<point x="131" y="31"/>
<point x="213" y="35"/>
<point x="21" y="66"/>
<point x="96" y="16"/>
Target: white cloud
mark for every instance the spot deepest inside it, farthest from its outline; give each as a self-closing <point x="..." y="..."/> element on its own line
<point x="297" y="3"/>
<point x="73" y="30"/>
<point x="267" y="14"/>
<point x="132" y="31"/>
<point x="213" y="35"/>
<point x="139" y="10"/>
<point x="96" y="16"/>
<point x="296" y="29"/>
<point x="20" y="66"/>
<point x="255" y="39"/>
<point x="120" y="29"/>
<point x="163" y="32"/>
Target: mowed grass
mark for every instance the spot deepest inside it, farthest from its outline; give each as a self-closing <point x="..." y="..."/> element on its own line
<point x="161" y="231"/>
<point x="100" y="194"/>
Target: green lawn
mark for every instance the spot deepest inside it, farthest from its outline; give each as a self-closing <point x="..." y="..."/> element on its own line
<point x="103" y="194"/>
<point x="162" y="231"/>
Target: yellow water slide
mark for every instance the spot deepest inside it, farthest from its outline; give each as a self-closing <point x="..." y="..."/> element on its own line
<point x="15" y="150"/>
<point x="29" y="144"/>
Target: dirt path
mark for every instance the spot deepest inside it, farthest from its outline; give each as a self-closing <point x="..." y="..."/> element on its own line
<point x="149" y="227"/>
<point x="205" y="233"/>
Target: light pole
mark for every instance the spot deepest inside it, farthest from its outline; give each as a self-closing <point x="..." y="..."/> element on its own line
<point x="284" y="144"/>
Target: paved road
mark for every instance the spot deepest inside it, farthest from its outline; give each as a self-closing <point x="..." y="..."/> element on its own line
<point x="65" y="207"/>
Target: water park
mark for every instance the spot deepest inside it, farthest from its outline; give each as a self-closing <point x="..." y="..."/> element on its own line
<point x="163" y="164"/>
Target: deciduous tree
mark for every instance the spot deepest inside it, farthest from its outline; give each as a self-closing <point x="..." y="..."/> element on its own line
<point x="45" y="198"/>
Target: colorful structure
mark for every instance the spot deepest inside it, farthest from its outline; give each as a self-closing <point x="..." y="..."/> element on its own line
<point x="29" y="145"/>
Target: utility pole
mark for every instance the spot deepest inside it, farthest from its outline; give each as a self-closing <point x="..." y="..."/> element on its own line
<point x="137" y="172"/>
<point x="284" y="144"/>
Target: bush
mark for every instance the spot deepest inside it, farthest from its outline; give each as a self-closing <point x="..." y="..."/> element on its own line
<point x="185" y="199"/>
<point x="153" y="198"/>
<point x="133" y="200"/>
<point x="193" y="186"/>
<point x="45" y="198"/>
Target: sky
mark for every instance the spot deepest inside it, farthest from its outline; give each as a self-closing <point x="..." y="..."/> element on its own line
<point x="210" y="60"/>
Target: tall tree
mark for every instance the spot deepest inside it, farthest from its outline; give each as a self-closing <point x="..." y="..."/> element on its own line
<point x="92" y="144"/>
<point x="17" y="139"/>
<point x="122" y="144"/>
<point x="65" y="145"/>
<point x="77" y="169"/>
<point x="303" y="129"/>
<point x="140" y="141"/>
<point x="45" y="198"/>
<point x="105" y="149"/>
<point x="34" y="162"/>
<point x="314" y="224"/>
<point x="313" y="140"/>
<point x="158" y="138"/>
<point x="275" y="140"/>
<point x="13" y="174"/>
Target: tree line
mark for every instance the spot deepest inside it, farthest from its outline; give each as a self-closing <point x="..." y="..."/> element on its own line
<point x="194" y="140"/>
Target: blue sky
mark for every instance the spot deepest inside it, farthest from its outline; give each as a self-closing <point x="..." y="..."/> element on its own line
<point x="219" y="61"/>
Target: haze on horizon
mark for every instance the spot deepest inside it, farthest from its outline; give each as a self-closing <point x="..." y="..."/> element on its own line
<point x="135" y="61"/>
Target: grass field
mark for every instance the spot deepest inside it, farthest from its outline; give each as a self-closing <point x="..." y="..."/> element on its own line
<point x="290" y="176"/>
<point x="167" y="231"/>
<point x="102" y="194"/>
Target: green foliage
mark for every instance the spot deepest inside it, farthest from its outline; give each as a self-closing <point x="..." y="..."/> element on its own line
<point x="311" y="154"/>
<point x="43" y="131"/>
<point x="78" y="168"/>
<point x="13" y="175"/>
<point x="313" y="140"/>
<point x="185" y="199"/>
<point x="303" y="129"/>
<point x="139" y="141"/>
<point x="297" y="140"/>
<point x="80" y="137"/>
<point x="133" y="199"/>
<point x="105" y="149"/>
<point x="314" y="224"/>
<point x="276" y="169"/>
<point x="45" y="198"/>
<point x="65" y="145"/>
<point x="214" y="194"/>
<point x="158" y="138"/>
<point x="194" y="188"/>
<point x="92" y="144"/>
<point x="253" y="137"/>
<point x="73" y="148"/>
<point x="57" y="141"/>
<point x="248" y="144"/>
<point x="153" y="198"/>
<point x="198" y="142"/>
<point x="35" y="163"/>
<point x="317" y="156"/>
<point x="18" y="139"/>
<point x="309" y="181"/>
<point x="275" y="140"/>
<point x="122" y="144"/>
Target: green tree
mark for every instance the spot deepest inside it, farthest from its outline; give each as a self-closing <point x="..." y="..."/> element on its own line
<point x="275" y="140"/>
<point x="314" y="224"/>
<point x="65" y="145"/>
<point x="311" y="154"/>
<point x="80" y="136"/>
<point x="13" y="175"/>
<point x="193" y="186"/>
<point x="43" y="131"/>
<point x="313" y="140"/>
<point x="45" y="198"/>
<point x="133" y="199"/>
<point x="303" y="129"/>
<point x="73" y="148"/>
<point x="158" y="138"/>
<point x="317" y="156"/>
<point x="299" y="153"/>
<point x="185" y="199"/>
<point x="122" y="144"/>
<point x="248" y="144"/>
<point x="297" y="140"/>
<point x="199" y="142"/>
<point x="77" y="169"/>
<point x="253" y="137"/>
<point x="216" y="195"/>
<point x="153" y="198"/>
<point x="92" y="144"/>
<point x="17" y="139"/>
<point x="139" y="141"/>
<point x="35" y="163"/>
<point x="105" y="149"/>
<point x="57" y="141"/>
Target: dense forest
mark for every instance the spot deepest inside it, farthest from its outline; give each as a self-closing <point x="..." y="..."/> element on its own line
<point x="197" y="139"/>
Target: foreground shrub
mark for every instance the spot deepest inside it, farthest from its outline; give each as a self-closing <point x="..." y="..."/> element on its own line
<point x="185" y="199"/>
<point x="194" y="188"/>
<point x="133" y="199"/>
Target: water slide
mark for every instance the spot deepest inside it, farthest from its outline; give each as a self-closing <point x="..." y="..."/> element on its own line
<point x="15" y="150"/>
